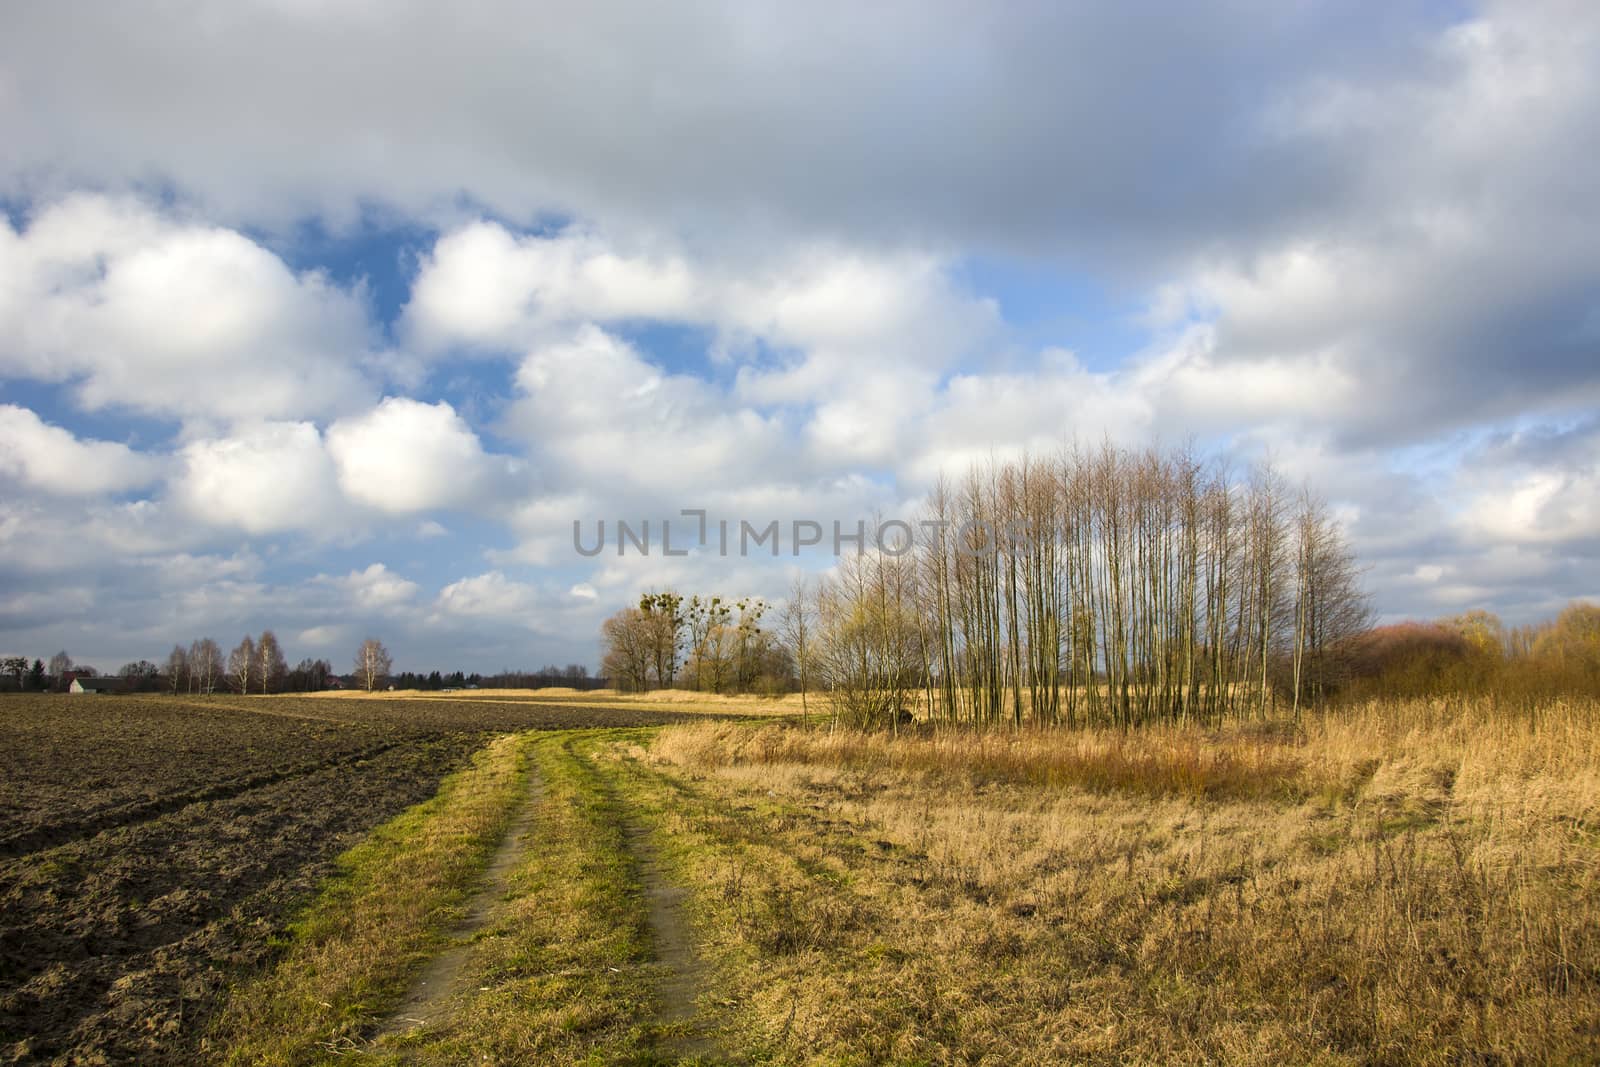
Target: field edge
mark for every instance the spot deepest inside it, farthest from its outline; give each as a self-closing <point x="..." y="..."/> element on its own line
<point x="351" y="952"/>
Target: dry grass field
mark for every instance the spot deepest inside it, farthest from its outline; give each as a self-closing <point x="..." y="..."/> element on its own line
<point x="680" y="701"/>
<point x="1399" y="883"/>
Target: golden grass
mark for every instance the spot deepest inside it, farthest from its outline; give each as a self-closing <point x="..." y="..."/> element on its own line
<point x="678" y="700"/>
<point x="1185" y="763"/>
<point x="1407" y="883"/>
<point x="1398" y="883"/>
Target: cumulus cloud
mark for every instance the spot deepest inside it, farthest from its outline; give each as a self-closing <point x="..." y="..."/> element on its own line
<point x="1365" y="247"/>
<point x="374" y="588"/>
<point x="482" y="286"/>
<point x="604" y="415"/>
<point x="828" y="311"/>
<point x="150" y="313"/>
<point x="1453" y="282"/>
<point x="265" y="477"/>
<point x="407" y="456"/>
<point x="1536" y="487"/>
<point x="490" y="595"/>
<point x="49" y="458"/>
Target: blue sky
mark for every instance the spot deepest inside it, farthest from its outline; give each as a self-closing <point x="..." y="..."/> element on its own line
<point x="333" y="319"/>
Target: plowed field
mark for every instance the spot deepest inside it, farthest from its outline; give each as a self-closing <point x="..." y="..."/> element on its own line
<point x="153" y="848"/>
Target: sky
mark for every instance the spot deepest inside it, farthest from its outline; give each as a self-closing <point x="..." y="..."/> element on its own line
<point x="334" y="317"/>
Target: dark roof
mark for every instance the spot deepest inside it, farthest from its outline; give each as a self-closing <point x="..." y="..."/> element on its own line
<point x="99" y="683"/>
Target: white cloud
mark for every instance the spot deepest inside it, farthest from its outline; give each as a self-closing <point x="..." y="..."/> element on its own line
<point x="483" y="287"/>
<point x="375" y="588"/>
<point x="490" y="595"/>
<point x="264" y="478"/>
<point x="1450" y="283"/>
<point x="406" y="456"/>
<point x="1189" y="385"/>
<point x="605" y="416"/>
<point x="833" y="304"/>
<point x="1517" y="494"/>
<point x="51" y="459"/>
<point x="154" y="314"/>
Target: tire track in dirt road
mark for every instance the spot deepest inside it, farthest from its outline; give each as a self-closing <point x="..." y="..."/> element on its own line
<point x="682" y="1030"/>
<point x="431" y="995"/>
<point x="676" y="1031"/>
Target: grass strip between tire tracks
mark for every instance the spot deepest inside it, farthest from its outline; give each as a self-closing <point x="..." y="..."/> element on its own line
<point x="351" y="953"/>
<point x="567" y="973"/>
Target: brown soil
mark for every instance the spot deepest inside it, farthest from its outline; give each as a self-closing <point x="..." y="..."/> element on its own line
<point x="153" y="850"/>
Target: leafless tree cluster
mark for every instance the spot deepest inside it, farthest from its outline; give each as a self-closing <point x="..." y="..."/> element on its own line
<point x="256" y="666"/>
<point x="864" y="637"/>
<point x="1476" y="654"/>
<point x="196" y="669"/>
<point x="1105" y="586"/>
<point x="702" y="642"/>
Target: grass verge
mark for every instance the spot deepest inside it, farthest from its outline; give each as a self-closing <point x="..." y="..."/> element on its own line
<point x="350" y="955"/>
<point x="564" y="974"/>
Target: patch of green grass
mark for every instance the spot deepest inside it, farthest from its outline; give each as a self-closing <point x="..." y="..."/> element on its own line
<point x="354" y="949"/>
<point x="565" y="972"/>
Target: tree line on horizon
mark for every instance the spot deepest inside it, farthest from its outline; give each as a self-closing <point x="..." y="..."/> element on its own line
<point x="258" y="665"/>
<point x="1102" y="586"/>
<point x="255" y="665"/>
<point x="572" y="676"/>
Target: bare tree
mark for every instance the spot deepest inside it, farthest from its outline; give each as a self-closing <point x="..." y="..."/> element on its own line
<point x="712" y="638"/>
<point x="205" y="665"/>
<point x="628" y="649"/>
<point x="1330" y="605"/>
<point x="664" y="615"/>
<point x="270" y="665"/>
<point x="798" y="620"/>
<point x="242" y="665"/>
<point x="177" y="669"/>
<point x="752" y="645"/>
<point x="1108" y="586"/>
<point x="372" y="663"/>
<point x="867" y="647"/>
<point x="1121" y="587"/>
<point x="60" y="664"/>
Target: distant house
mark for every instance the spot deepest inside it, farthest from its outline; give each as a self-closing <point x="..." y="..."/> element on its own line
<point x="95" y="685"/>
